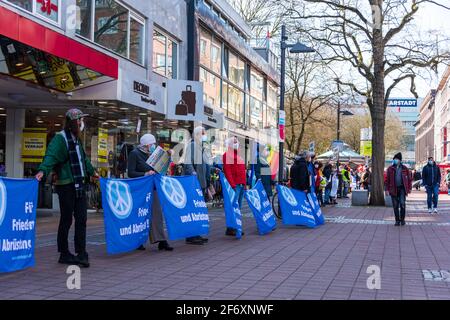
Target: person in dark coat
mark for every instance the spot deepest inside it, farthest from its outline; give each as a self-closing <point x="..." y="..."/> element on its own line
<point x="327" y="171"/>
<point x="263" y="171"/>
<point x="398" y="184"/>
<point x="300" y="179"/>
<point x="138" y="167"/>
<point x="431" y="179"/>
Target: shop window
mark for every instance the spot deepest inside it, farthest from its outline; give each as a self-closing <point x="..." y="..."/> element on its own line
<point x="111" y="26"/>
<point x="165" y="55"/>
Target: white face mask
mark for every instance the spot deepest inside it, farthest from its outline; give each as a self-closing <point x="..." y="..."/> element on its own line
<point x="236" y="146"/>
<point x="82" y="126"/>
<point x="204" y="138"/>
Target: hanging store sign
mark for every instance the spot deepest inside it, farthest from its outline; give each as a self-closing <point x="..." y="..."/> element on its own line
<point x="34" y="144"/>
<point x="185" y="100"/>
<point x="142" y="93"/>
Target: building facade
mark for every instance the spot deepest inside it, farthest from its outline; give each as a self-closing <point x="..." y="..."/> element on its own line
<point x="424" y="127"/>
<point x="121" y="61"/>
<point x="442" y="120"/>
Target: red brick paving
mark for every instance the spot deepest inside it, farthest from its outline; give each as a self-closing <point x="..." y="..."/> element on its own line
<point x="329" y="262"/>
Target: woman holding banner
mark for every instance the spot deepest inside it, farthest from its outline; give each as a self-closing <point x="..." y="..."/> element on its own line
<point x="138" y="167"/>
<point x="234" y="171"/>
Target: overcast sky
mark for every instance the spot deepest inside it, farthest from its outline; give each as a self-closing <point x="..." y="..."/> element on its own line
<point x="429" y="17"/>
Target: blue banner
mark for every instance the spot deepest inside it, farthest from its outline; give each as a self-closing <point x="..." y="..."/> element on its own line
<point x="295" y="207"/>
<point x="261" y="207"/>
<point x="18" y="202"/>
<point x="317" y="211"/>
<point x="183" y="205"/>
<point x="127" y="207"/>
<point x="233" y="216"/>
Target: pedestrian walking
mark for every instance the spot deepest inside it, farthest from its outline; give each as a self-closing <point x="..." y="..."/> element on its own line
<point x="399" y="185"/>
<point x="196" y="163"/>
<point x="300" y="174"/>
<point x="235" y="172"/>
<point x="66" y="156"/>
<point x="431" y="180"/>
<point x="138" y="167"/>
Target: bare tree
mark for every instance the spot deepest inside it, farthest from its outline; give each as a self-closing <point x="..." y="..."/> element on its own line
<point x="308" y="93"/>
<point x="376" y="45"/>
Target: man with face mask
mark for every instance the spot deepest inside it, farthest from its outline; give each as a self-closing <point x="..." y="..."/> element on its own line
<point x="138" y="167"/>
<point x="398" y="184"/>
<point x="65" y="155"/>
<point x="196" y="162"/>
<point x="431" y="179"/>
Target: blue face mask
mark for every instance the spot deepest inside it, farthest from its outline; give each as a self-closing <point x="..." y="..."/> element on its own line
<point x="396" y="161"/>
<point x="152" y="148"/>
<point x="430" y="163"/>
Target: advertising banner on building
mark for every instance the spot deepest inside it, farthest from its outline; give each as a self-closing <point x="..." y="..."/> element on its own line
<point x="34" y="144"/>
<point x="183" y="205"/>
<point x="261" y="208"/>
<point x="18" y="202"/>
<point x="233" y="216"/>
<point x="127" y="207"/>
<point x="295" y="207"/>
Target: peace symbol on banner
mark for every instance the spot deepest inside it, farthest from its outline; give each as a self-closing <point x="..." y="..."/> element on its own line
<point x="253" y="197"/>
<point x="119" y="198"/>
<point x="289" y="196"/>
<point x="174" y="192"/>
<point x="2" y="201"/>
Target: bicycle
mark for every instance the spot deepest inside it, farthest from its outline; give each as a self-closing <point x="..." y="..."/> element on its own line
<point x="275" y="204"/>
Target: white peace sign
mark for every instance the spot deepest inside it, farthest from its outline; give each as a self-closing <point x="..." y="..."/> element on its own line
<point x="288" y="196"/>
<point x="119" y="198"/>
<point x="253" y="197"/>
<point x="174" y="192"/>
<point x="2" y="201"/>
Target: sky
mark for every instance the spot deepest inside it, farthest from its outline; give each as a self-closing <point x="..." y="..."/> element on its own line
<point x="429" y="17"/>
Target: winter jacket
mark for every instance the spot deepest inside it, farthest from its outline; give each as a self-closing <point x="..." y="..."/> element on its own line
<point x="57" y="158"/>
<point x="234" y="168"/>
<point x="390" y="180"/>
<point x="137" y="163"/>
<point x="431" y="175"/>
<point x="300" y="178"/>
<point x="263" y="173"/>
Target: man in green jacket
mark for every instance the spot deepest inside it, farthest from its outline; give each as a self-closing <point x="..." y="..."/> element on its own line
<point x="65" y="155"/>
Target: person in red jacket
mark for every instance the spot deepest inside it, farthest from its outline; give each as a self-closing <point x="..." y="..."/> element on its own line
<point x="399" y="185"/>
<point x="235" y="172"/>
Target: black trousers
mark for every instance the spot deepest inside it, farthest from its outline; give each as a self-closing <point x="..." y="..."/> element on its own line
<point x="70" y="205"/>
<point x="399" y="204"/>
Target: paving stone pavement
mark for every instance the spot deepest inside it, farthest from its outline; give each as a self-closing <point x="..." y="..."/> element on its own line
<point x="328" y="262"/>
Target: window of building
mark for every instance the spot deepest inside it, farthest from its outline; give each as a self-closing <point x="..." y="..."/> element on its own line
<point x="48" y="9"/>
<point x="165" y="55"/>
<point x="235" y="104"/>
<point x="257" y="85"/>
<point x="136" y="40"/>
<point x="115" y="27"/>
<point x="237" y="70"/>
<point x="256" y="113"/>
<point x="211" y="87"/>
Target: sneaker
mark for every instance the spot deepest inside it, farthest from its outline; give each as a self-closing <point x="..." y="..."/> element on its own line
<point x="397" y="223"/>
<point x="402" y="223"/>
<point x="164" y="245"/>
<point x="435" y="210"/>
<point x="67" y="258"/>
<point x="83" y="260"/>
<point x="429" y="211"/>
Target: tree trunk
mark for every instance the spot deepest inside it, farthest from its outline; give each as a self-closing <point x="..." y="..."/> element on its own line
<point x="378" y="115"/>
<point x="300" y="138"/>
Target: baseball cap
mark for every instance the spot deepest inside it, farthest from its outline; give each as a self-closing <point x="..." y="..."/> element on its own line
<point x="75" y="114"/>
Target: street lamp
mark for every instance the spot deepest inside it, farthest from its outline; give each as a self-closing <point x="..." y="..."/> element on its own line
<point x="294" y="48"/>
<point x="338" y="129"/>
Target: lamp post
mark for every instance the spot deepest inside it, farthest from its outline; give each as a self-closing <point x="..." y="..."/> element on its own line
<point x="295" y="48"/>
<point x="338" y="129"/>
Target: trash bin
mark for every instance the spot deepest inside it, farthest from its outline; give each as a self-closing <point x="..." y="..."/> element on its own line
<point x="360" y="197"/>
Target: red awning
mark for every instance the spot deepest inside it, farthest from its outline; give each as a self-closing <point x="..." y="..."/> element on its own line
<point x="16" y="27"/>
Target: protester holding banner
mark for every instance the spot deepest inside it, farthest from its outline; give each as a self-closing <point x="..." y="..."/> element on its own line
<point x="138" y="167"/>
<point x="65" y="154"/>
<point x="300" y="176"/>
<point x="234" y="170"/>
<point x="196" y="162"/>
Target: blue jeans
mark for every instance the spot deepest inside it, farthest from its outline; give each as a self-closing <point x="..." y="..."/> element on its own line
<point x="327" y="195"/>
<point x="432" y="195"/>
<point x="239" y="193"/>
<point x="399" y="204"/>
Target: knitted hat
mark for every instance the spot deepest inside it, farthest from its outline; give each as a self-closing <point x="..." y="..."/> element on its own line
<point x="398" y="156"/>
<point x="147" y="139"/>
<point x="75" y="114"/>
